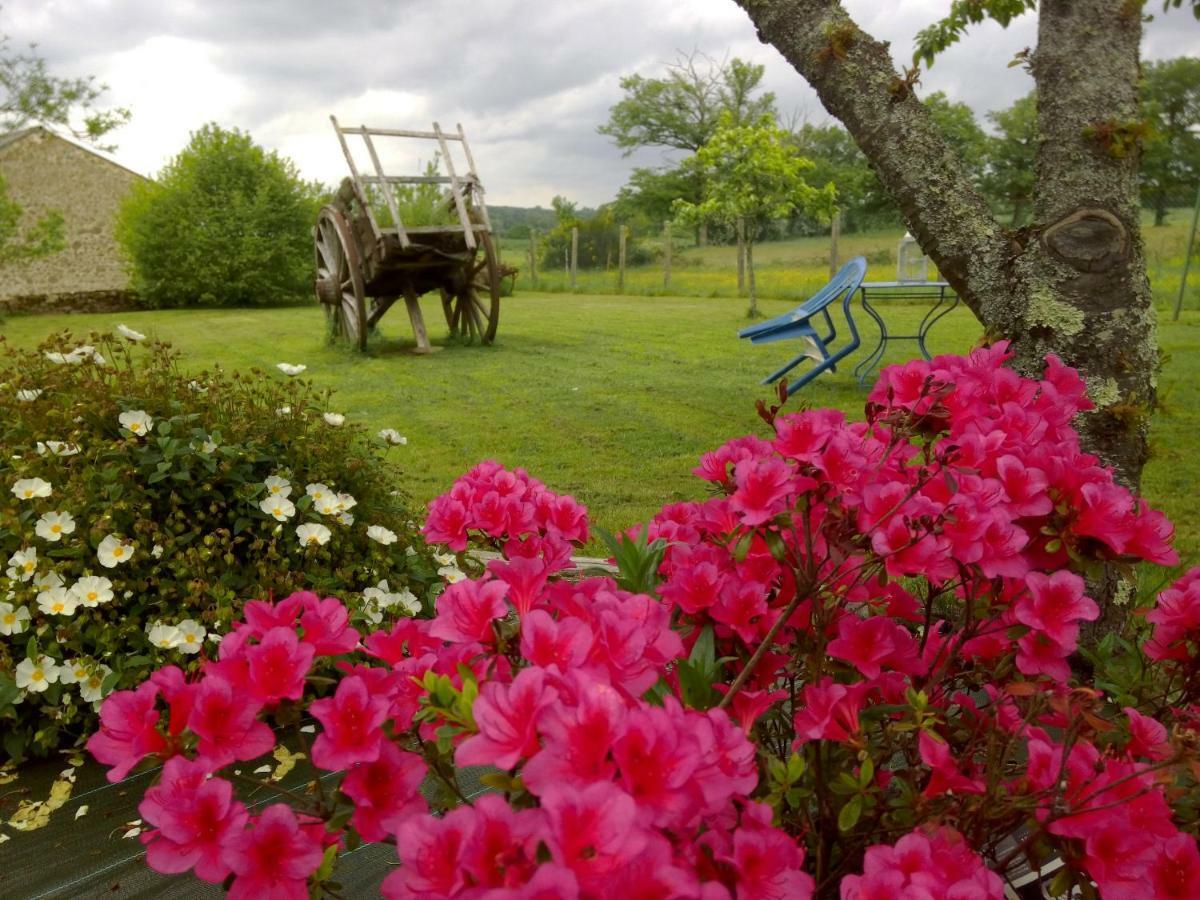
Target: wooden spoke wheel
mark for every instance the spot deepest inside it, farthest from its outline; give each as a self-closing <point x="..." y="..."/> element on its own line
<point x="472" y="307"/>
<point x="339" y="285"/>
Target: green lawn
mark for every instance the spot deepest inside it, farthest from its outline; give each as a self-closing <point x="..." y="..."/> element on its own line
<point x="612" y="399"/>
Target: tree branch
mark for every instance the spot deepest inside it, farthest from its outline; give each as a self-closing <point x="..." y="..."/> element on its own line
<point x="853" y="75"/>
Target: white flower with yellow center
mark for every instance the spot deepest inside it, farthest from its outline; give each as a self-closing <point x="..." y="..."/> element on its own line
<point x="291" y="370"/>
<point x="13" y="620"/>
<point x="31" y="488"/>
<point x="74" y="671"/>
<point x="283" y="411"/>
<point x="129" y="334"/>
<point x="311" y="533"/>
<point x="334" y="419"/>
<point x="393" y="437"/>
<point x="346" y="518"/>
<point x="208" y="446"/>
<point x="196" y="387"/>
<point x="35" y="675"/>
<point x="28" y="395"/>
<point x="46" y="580"/>
<point x="63" y="359"/>
<point x="165" y="637"/>
<point x="327" y="505"/>
<point x="277" y="487"/>
<point x="157" y="551"/>
<point x="57" y="602"/>
<point x="445" y="559"/>
<point x="280" y="508"/>
<point x="451" y="574"/>
<point x="381" y="535"/>
<point x="53" y="525"/>
<point x="317" y="491"/>
<point x="92" y="689"/>
<point x="191" y="636"/>
<point x="407" y="601"/>
<point x="114" y="550"/>
<point x="346" y="502"/>
<point x="137" y="422"/>
<point x="22" y="565"/>
<point x="92" y="590"/>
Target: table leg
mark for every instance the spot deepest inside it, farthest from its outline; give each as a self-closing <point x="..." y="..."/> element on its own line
<point x="864" y="367"/>
<point x="931" y="318"/>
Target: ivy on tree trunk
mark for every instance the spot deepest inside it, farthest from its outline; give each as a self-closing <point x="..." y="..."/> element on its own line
<point x="1073" y="281"/>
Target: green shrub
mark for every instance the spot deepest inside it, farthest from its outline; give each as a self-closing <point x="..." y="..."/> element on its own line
<point x="131" y="447"/>
<point x="225" y="224"/>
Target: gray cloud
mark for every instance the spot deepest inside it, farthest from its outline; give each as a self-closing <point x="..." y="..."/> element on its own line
<point x="529" y="81"/>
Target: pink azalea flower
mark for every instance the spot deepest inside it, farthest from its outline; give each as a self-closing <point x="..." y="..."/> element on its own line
<point x="945" y="777"/>
<point x="326" y="626"/>
<point x="830" y="711"/>
<point x="466" y="610"/>
<point x="870" y="644"/>
<point x="408" y="638"/>
<point x="502" y="849"/>
<point x="545" y="642"/>
<point x="275" y="858"/>
<point x="278" y="665"/>
<point x="577" y="738"/>
<point x="128" y="730"/>
<point x="763" y="486"/>
<point x="506" y="715"/>
<point x="447" y="523"/>
<point x="525" y="577"/>
<point x="196" y="819"/>
<point x="226" y="721"/>
<point x="1054" y="606"/>
<point x="767" y="863"/>
<point x="1039" y="654"/>
<point x="592" y="831"/>
<point x="261" y="616"/>
<point x="1175" y="872"/>
<point x="352" y="719"/>
<point x="385" y="792"/>
<point x="1147" y="737"/>
<point x="658" y="759"/>
<point x="429" y="850"/>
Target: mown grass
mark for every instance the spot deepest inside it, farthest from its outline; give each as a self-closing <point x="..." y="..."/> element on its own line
<point x="612" y="399"/>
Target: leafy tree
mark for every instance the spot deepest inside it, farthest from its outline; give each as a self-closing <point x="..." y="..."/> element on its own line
<point x="1009" y="180"/>
<point x="755" y="175"/>
<point x="1171" y="165"/>
<point x="957" y="123"/>
<point x="836" y="159"/>
<point x="650" y="195"/>
<point x="225" y="224"/>
<point x="29" y="95"/>
<point x="682" y="109"/>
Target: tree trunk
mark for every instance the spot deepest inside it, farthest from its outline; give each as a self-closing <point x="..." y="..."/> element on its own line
<point x="1073" y="282"/>
<point x="741" y="254"/>
<point x="752" y="312"/>
<point x="1160" y="208"/>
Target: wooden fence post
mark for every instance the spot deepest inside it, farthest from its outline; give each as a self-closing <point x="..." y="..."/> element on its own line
<point x="667" y="255"/>
<point x="533" y="257"/>
<point x="835" y="231"/>
<point x="741" y="254"/>
<point x="621" y="259"/>
<point x="574" y="253"/>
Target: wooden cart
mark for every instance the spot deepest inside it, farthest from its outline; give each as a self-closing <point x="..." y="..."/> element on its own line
<point x="363" y="268"/>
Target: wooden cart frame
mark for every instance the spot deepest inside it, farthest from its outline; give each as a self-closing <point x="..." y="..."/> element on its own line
<point x="358" y="260"/>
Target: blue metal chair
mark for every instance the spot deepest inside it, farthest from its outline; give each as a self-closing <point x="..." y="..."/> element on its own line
<point x="799" y="324"/>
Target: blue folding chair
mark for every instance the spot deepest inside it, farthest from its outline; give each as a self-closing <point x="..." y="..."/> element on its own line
<point x="799" y="324"/>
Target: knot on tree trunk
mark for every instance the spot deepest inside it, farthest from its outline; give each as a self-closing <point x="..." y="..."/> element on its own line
<point x="1088" y="240"/>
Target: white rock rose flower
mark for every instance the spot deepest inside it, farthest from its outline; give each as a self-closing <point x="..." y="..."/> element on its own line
<point x="22" y="565"/>
<point x="31" y="488"/>
<point x="327" y="505"/>
<point x="334" y="419"/>
<point x="192" y="636"/>
<point x="63" y="359"/>
<point x="57" y="448"/>
<point x="196" y="387"/>
<point x="157" y="551"/>
<point x="381" y="535"/>
<point x="277" y="487"/>
<point x="57" y="602"/>
<point x="136" y="421"/>
<point x="74" y="671"/>
<point x="49" y="579"/>
<point x="114" y="550"/>
<point x="311" y="533"/>
<point x="13" y="620"/>
<point x="92" y="689"/>
<point x="280" y="508"/>
<point x="290" y="369"/>
<point x="28" y="395"/>
<point x="393" y="437"/>
<point x="35" y="675"/>
<point x="164" y="636"/>
<point x="283" y="411"/>
<point x="445" y="559"/>
<point x="317" y="491"/>
<point x="129" y="334"/>
<point x="346" y="501"/>
<point x="92" y="590"/>
<point x="53" y="525"/>
<point x="451" y="574"/>
<point x="346" y="518"/>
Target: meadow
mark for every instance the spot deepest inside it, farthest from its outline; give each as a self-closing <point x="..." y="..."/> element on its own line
<point x="610" y="398"/>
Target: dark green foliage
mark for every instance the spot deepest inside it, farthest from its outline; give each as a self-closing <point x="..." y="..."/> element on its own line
<point x="1171" y="161"/>
<point x="947" y="31"/>
<point x="598" y="241"/>
<point x="188" y="494"/>
<point x="226" y="224"/>
<point x="1009" y="180"/>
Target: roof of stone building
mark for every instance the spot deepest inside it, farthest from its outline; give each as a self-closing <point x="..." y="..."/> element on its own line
<point x="13" y="137"/>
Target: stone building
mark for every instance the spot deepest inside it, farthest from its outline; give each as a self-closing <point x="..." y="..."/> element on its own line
<point x="45" y="171"/>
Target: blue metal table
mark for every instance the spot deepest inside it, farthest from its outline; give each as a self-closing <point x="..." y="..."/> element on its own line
<point x="938" y="291"/>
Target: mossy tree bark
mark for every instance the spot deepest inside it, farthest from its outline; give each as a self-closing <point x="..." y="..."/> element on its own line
<point x="1072" y="282"/>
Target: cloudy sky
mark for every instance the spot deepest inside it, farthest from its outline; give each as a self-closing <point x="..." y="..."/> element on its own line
<point x="529" y="80"/>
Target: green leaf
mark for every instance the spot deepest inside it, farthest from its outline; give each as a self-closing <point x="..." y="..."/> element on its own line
<point x="850" y="813"/>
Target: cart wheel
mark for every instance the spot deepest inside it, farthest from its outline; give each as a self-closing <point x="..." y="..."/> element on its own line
<point x="339" y="283"/>
<point x="473" y="312"/>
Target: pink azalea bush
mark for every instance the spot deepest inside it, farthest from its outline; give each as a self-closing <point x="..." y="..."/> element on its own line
<point x="855" y="671"/>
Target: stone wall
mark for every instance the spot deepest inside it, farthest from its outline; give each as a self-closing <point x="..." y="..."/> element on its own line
<point x="45" y="172"/>
<point x="77" y="302"/>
